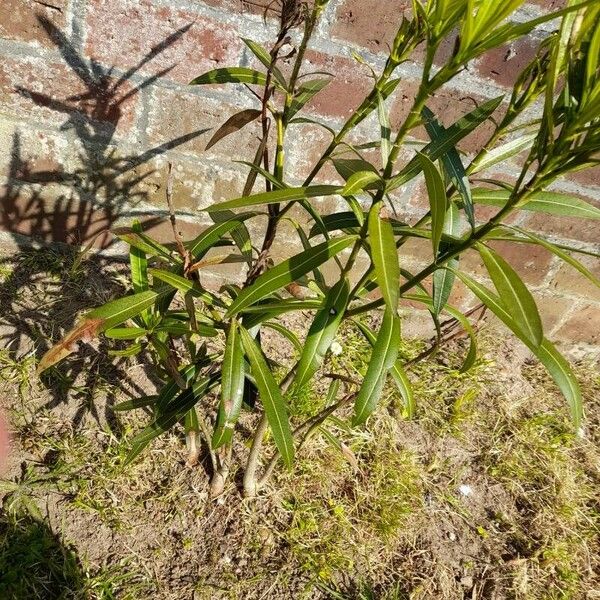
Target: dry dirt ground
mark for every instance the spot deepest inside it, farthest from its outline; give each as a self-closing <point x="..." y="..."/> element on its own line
<point x="486" y="494"/>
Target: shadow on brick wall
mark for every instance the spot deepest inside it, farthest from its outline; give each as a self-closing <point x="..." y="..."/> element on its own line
<point x="42" y="291"/>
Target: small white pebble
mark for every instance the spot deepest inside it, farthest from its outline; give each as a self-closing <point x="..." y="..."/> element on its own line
<point x="465" y="490"/>
<point x="336" y="348"/>
<point x="452" y="536"/>
<point x="581" y="433"/>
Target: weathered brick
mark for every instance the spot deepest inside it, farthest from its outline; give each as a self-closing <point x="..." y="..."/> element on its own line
<point x="172" y="43"/>
<point x="53" y="94"/>
<point x="37" y="22"/>
<point x="549" y="5"/>
<point x="589" y="176"/>
<point x="370" y="23"/>
<point x="188" y="121"/>
<point x="504" y="64"/>
<point x="346" y="91"/>
<point x="257" y="7"/>
<point x="570" y="281"/>
<point x="552" y="309"/>
<point x="583" y="325"/>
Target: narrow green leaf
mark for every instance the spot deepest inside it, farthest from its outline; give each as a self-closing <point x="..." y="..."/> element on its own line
<point x="514" y="295"/>
<point x="436" y="190"/>
<point x="201" y="244"/>
<point x="385" y="129"/>
<point x="276" y="196"/>
<point x="546" y="353"/>
<point x="452" y="164"/>
<point x="144" y="243"/>
<point x="233" y="75"/>
<point x="501" y="153"/>
<point x="305" y="93"/>
<point x="346" y="167"/>
<point x="385" y="256"/>
<point x="118" y="311"/>
<point x="271" y="397"/>
<point x="451" y="136"/>
<point x="232" y="388"/>
<point x="131" y="350"/>
<point x="383" y="357"/>
<point x="546" y="202"/>
<point x="180" y="283"/>
<point x="135" y="403"/>
<point x="398" y="374"/>
<point x="359" y="181"/>
<point x="443" y="279"/>
<point x="265" y="58"/>
<point x="125" y="333"/>
<point x="288" y="271"/>
<point x="322" y="332"/>
<point x="138" y="264"/>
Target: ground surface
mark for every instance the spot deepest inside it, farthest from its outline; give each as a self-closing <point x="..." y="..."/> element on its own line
<point x="486" y="494"/>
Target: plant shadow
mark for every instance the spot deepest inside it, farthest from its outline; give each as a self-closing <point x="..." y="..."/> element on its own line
<point x="44" y="286"/>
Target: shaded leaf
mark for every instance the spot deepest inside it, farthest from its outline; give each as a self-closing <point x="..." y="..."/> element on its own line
<point x="233" y="124"/>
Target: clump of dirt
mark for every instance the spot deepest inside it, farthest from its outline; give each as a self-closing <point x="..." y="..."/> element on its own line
<point x="487" y="493"/>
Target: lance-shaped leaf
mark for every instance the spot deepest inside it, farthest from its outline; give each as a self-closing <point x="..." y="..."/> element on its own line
<point x="385" y="129"/>
<point x="233" y="75"/>
<point x="305" y="93"/>
<point x="501" y="153"/>
<point x="384" y="255"/>
<point x="185" y="286"/>
<point x="452" y="164"/>
<point x="138" y="264"/>
<point x="398" y="374"/>
<point x="271" y="397"/>
<point x="447" y="140"/>
<point x="125" y="333"/>
<point x="514" y="295"/>
<point x="383" y="357"/>
<point x="135" y="403"/>
<point x="171" y="414"/>
<point x="232" y="388"/>
<point x="359" y="182"/>
<point x="276" y="196"/>
<point x="436" y="190"/>
<point x="346" y="167"/>
<point x="443" y="279"/>
<point x="547" y="202"/>
<point x="139" y="240"/>
<point x="201" y="244"/>
<point x="545" y="352"/>
<point x="233" y="124"/>
<point x="132" y="350"/>
<point x="322" y="332"/>
<point x="96" y="321"/>
<point x="265" y="58"/>
<point x="288" y="271"/>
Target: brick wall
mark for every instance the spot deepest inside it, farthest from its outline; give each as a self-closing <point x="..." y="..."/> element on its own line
<point x="94" y="104"/>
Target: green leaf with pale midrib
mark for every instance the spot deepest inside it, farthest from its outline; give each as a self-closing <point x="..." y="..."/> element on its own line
<point x="322" y="332"/>
<point x="277" y="196"/>
<point x="546" y="353"/>
<point x="384" y="256"/>
<point x="288" y="271"/>
<point x="547" y="202"/>
<point x="233" y="75"/>
<point x="271" y="398"/>
<point x="383" y="357"/>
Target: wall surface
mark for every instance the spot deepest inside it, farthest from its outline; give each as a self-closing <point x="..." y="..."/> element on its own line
<point x="94" y="103"/>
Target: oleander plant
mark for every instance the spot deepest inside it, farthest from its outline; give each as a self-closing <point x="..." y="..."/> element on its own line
<point x="206" y="347"/>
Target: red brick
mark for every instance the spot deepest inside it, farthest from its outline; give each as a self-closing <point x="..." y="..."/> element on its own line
<point x="582" y="326"/>
<point x="530" y="262"/>
<point x="505" y="63"/>
<point x="347" y="90"/>
<point x="50" y="93"/>
<point x="583" y="230"/>
<point x="26" y="21"/>
<point x="569" y="280"/>
<point x="175" y="114"/>
<point x="371" y="24"/>
<point x="124" y="33"/>
<point x="257" y="7"/>
<point x="589" y="176"/>
<point x="552" y="309"/>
